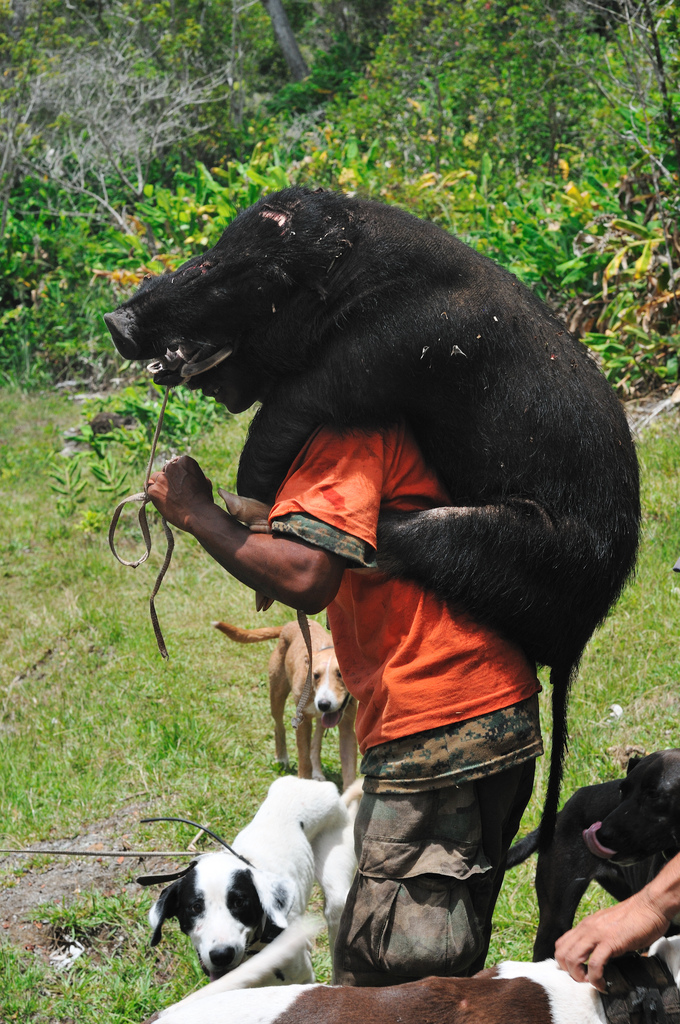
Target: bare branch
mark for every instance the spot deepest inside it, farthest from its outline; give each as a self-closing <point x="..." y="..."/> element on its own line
<point x="99" y="112"/>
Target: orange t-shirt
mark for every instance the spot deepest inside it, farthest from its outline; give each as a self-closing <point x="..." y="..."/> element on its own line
<point x="412" y="662"/>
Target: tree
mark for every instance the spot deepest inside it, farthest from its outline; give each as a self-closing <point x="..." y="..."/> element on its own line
<point x="91" y="102"/>
<point x="286" y="40"/>
<point x="109" y="120"/>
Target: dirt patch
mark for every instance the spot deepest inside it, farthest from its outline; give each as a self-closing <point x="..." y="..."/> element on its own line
<point x="28" y="882"/>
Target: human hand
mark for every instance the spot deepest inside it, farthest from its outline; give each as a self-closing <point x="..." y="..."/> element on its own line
<point x="613" y="931"/>
<point x="181" y="491"/>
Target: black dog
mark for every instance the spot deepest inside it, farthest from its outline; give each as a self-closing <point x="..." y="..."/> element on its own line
<point x="333" y="310"/>
<point x="619" y="834"/>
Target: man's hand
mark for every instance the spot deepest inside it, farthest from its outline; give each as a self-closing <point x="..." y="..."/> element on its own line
<point x="633" y="924"/>
<point x="181" y="491"/>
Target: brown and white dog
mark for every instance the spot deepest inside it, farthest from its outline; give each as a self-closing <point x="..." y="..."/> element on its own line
<point x="329" y="702"/>
<point x="511" y="993"/>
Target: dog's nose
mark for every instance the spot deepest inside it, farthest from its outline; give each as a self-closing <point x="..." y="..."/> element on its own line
<point x="323" y="705"/>
<point x="222" y="956"/>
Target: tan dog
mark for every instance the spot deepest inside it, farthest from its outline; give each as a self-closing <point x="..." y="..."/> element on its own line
<point x="329" y="703"/>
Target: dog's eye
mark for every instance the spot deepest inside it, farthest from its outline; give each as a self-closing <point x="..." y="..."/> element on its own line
<point x="197" y="907"/>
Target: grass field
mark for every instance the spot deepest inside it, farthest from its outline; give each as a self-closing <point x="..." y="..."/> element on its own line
<point x="94" y="726"/>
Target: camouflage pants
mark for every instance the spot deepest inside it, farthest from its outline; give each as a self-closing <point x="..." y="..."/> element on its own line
<point x="431" y="866"/>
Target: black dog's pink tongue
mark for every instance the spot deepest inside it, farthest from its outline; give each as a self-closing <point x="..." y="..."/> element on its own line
<point x="593" y="843"/>
<point x="329" y="719"/>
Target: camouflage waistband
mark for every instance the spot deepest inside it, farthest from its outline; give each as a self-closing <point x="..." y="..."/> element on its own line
<point x="457" y="753"/>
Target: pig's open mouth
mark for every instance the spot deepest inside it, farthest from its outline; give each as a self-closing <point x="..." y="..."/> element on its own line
<point x="181" y="363"/>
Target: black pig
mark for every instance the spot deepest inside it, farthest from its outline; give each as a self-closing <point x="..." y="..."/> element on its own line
<point x="334" y="310"/>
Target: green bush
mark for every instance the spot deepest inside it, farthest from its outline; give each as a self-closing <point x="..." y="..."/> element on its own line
<point x="520" y="128"/>
<point x="99" y="468"/>
<point x="62" y="272"/>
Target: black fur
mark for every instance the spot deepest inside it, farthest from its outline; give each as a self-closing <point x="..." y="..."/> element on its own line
<point x="355" y="314"/>
<point x="640" y="818"/>
<point x="182" y="900"/>
<point x="243" y="900"/>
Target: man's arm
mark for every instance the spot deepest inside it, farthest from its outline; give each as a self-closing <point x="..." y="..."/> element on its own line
<point x="284" y="568"/>
<point x="630" y="925"/>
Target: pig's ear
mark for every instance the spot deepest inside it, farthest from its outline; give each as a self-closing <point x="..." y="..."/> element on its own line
<point x="278" y="217"/>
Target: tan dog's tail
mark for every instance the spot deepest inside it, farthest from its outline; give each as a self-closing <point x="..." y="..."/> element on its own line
<point x="249" y="636"/>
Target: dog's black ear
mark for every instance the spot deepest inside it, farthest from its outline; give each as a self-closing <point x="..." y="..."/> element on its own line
<point x="632" y="761"/>
<point x="165" y="906"/>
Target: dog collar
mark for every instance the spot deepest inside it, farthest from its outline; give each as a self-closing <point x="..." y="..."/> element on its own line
<point x="640" y="990"/>
<point x="264" y="933"/>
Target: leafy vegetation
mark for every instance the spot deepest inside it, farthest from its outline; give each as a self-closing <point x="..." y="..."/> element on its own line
<point x="547" y="136"/>
<point x="92" y="472"/>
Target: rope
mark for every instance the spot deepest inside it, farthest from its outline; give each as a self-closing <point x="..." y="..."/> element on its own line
<point x="143" y="497"/>
<point x="307" y="688"/>
<point x="105" y="853"/>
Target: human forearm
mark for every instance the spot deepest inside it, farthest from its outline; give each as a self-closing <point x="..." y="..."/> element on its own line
<point x="285" y="569"/>
<point x="288" y="570"/>
<point x="664" y="890"/>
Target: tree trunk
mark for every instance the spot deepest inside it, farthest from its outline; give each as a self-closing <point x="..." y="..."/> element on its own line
<point x="286" y="40"/>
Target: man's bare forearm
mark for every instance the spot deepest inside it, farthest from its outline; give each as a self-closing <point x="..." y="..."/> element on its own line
<point x="664" y="890"/>
<point x="283" y="568"/>
<point x="286" y="569"/>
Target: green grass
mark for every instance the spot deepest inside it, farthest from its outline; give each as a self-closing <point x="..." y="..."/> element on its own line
<point x="92" y="720"/>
